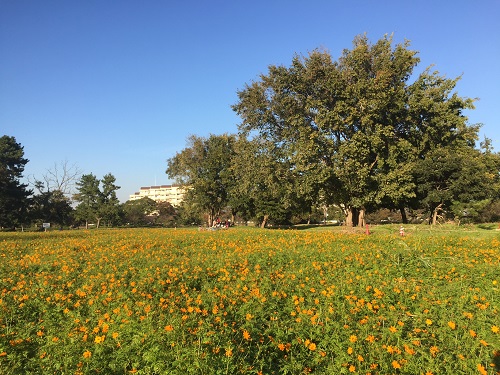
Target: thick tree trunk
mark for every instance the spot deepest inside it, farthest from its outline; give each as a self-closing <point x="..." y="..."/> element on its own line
<point x="348" y="219"/>
<point x="361" y="218"/>
<point x="435" y="213"/>
<point x="352" y="217"/>
<point x="403" y="215"/>
<point x="264" y="221"/>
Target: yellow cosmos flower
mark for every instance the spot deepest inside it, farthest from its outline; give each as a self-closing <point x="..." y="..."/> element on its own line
<point x="99" y="339"/>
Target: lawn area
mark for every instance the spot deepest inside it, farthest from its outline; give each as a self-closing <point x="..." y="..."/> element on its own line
<point x="321" y="300"/>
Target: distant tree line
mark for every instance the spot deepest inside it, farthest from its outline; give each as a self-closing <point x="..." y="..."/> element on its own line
<point x="319" y="139"/>
<point x="64" y="197"/>
<point x="361" y="133"/>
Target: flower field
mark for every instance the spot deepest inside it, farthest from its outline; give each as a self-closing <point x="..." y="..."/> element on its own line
<point x="249" y="301"/>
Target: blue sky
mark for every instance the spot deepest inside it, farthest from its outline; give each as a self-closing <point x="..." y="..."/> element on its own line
<point x="117" y="86"/>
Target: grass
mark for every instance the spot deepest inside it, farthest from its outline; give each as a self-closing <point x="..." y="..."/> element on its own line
<point x="250" y="301"/>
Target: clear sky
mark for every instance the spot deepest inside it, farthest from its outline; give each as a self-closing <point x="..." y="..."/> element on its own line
<point x="118" y="86"/>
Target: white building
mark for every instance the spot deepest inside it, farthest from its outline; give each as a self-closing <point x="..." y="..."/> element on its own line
<point x="173" y="194"/>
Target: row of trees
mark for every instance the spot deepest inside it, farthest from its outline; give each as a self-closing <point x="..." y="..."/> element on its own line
<point x="361" y="133"/>
<point x="66" y="197"/>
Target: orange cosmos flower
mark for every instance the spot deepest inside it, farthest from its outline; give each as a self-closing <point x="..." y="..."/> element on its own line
<point x="353" y="338"/>
<point x="495" y="329"/>
<point x="246" y="335"/>
<point x="396" y="364"/>
<point x="452" y="325"/>
<point x="481" y="369"/>
<point x="87" y="354"/>
<point x="434" y="350"/>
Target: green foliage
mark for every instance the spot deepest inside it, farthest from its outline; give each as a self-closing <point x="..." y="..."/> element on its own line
<point x="138" y="212"/>
<point x="51" y="207"/>
<point x="204" y="166"/>
<point x="94" y="204"/>
<point x="13" y="194"/>
<point x="88" y="198"/>
<point x="264" y="188"/>
<point x="457" y="179"/>
<point x="359" y="134"/>
<point x="109" y="205"/>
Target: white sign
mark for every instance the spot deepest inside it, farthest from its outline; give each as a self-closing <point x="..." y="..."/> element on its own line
<point x="46" y="225"/>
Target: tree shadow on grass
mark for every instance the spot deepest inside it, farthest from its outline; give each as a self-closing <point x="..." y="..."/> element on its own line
<point x="308" y="226"/>
<point x="488" y="226"/>
<point x="496" y="359"/>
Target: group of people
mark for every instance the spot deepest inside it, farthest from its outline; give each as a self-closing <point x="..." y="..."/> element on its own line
<point x="221" y="224"/>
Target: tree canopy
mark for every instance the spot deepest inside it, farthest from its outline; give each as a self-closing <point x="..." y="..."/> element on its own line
<point x="94" y="204"/>
<point x="204" y="166"/>
<point x="354" y="132"/>
<point x="13" y="193"/>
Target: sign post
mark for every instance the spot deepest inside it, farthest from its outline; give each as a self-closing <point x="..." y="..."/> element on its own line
<point x="45" y="226"/>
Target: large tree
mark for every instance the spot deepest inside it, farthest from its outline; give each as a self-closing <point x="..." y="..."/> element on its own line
<point x="13" y="193"/>
<point x="109" y="205"/>
<point x="87" y="196"/>
<point x="203" y="166"/>
<point x="139" y="211"/>
<point x="457" y="181"/>
<point x="62" y="176"/>
<point x="51" y="207"/>
<point x="265" y="190"/>
<point x="95" y="204"/>
<point x="352" y="130"/>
